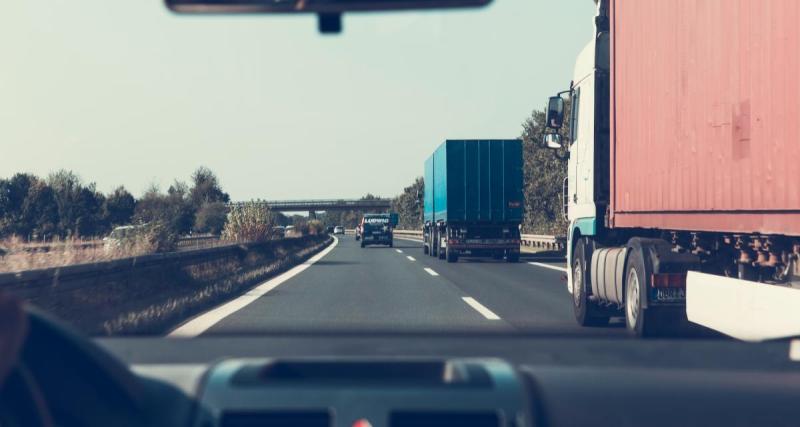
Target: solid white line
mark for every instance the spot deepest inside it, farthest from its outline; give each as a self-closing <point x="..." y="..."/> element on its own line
<point x="409" y="239"/>
<point x="480" y="308"/>
<point x="411" y="258"/>
<point x="399" y="251"/>
<point x="552" y="267"/>
<point x="431" y="272"/>
<point x="204" y="321"/>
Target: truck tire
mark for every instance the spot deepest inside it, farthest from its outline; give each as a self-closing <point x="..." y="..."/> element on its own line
<point x="512" y="257"/>
<point x="425" y="249"/>
<point x="452" y="256"/>
<point x="434" y="244"/>
<point x="391" y="243"/>
<point x="639" y="321"/>
<point x="362" y="244"/>
<point x="587" y="313"/>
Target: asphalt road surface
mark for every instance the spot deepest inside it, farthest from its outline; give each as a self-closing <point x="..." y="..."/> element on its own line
<point x="400" y="289"/>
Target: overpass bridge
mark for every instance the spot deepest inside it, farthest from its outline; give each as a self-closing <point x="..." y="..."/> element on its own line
<point x="316" y="205"/>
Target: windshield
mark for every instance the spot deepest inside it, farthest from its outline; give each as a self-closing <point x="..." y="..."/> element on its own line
<point x="404" y="175"/>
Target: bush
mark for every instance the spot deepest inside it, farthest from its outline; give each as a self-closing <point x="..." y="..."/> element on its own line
<point x="248" y="222"/>
<point x="149" y="238"/>
<point x="211" y="218"/>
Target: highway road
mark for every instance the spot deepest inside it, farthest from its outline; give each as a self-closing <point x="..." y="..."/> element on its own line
<point x="381" y="289"/>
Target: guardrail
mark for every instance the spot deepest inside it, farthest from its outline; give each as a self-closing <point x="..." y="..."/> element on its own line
<point x="145" y="294"/>
<point x="553" y="243"/>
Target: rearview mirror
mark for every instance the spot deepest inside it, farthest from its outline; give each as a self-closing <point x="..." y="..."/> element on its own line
<point x="314" y="6"/>
<point x="552" y="141"/>
<point x="555" y="112"/>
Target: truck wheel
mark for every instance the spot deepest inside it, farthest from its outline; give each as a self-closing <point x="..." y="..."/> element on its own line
<point x="434" y="244"/>
<point x="587" y="313"/>
<point x="452" y="256"/>
<point x="512" y="257"/>
<point x="391" y="243"/>
<point x="425" y="249"/>
<point x="362" y="244"/>
<point x="638" y="320"/>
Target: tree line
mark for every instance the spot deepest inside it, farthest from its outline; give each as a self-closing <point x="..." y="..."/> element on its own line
<point x="62" y="205"/>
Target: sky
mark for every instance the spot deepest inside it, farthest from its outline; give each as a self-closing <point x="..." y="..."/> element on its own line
<point x="127" y="93"/>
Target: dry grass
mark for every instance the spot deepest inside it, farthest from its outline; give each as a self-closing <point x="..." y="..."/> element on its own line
<point x="21" y="256"/>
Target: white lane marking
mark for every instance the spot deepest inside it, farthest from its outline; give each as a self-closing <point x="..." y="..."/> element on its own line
<point x="399" y="251"/>
<point x="411" y="258"/>
<point x="480" y="308"/>
<point x="552" y="267"/>
<point x="204" y="321"/>
<point x="431" y="272"/>
<point x="409" y="239"/>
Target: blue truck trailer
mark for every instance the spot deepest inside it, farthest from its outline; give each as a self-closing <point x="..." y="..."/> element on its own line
<point x="473" y="202"/>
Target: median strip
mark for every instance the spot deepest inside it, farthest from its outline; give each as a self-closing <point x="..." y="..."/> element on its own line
<point x="431" y="272"/>
<point x="552" y="267"/>
<point x="411" y="258"/>
<point x="480" y="308"/>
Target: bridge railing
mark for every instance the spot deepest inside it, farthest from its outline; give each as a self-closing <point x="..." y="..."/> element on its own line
<point x="321" y="204"/>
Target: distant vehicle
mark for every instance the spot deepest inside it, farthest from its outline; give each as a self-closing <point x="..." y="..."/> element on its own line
<point x="473" y="199"/>
<point x="118" y="235"/>
<point x="279" y="231"/>
<point x="358" y="232"/>
<point x="377" y="229"/>
<point x="338" y="229"/>
<point x="330" y="229"/>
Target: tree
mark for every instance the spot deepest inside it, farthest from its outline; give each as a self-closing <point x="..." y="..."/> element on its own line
<point x="13" y="192"/>
<point x="40" y="210"/>
<point x="173" y="209"/>
<point x="119" y="207"/>
<point x="544" y="178"/>
<point x="210" y="218"/>
<point x="409" y="205"/>
<point x="206" y="188"/>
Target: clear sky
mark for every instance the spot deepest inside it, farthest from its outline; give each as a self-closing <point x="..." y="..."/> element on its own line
<point x="124" y="92"/>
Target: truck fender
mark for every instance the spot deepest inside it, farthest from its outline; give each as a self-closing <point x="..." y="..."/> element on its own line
<point x="658" y="258"/>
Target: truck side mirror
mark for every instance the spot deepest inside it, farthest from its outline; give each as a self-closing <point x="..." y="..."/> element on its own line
<point x="555" y="112"/>
<point x="552" y="141"/>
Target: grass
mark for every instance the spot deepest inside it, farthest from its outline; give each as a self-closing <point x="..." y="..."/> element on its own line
<point x="17" y="255"/>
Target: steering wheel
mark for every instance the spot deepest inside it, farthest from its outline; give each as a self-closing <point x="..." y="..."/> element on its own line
<point x="22" y="399"/>
<point x="57" y="374"/>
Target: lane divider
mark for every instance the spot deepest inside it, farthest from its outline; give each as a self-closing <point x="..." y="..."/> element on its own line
<point x="411" y="258"/>
<point x="552" y="267"/>
<point x="480" y="308"/>
<point x="431" y="272"/>
<point x="399" y="251"/>
<point x="204" y="321"/>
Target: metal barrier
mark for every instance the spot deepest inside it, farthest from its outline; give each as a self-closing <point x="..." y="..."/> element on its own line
<point x="538" y="241"/>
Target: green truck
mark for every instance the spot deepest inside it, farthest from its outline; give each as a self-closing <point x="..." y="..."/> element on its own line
<point x="473" y="202"/>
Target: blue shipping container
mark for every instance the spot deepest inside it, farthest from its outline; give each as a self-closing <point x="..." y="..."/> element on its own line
<point x="474" y="181"/>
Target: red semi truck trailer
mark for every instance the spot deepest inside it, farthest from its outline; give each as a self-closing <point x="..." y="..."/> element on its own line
<point x="682" y="189"/>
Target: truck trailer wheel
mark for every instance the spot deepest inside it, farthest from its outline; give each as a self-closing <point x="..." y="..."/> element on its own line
<point x="587" y="313"/>
<point x="391" y="243"/>
<point x="452" y="255"/>
<point x="425" y="249"/>
<point x="639" y="321"/>
<point x="362" y="244"/>
<point x="512" y="256"/>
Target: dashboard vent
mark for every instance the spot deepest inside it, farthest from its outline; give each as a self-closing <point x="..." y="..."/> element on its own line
<point x="431" y="418"/>
<point x="276" y="419"/>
